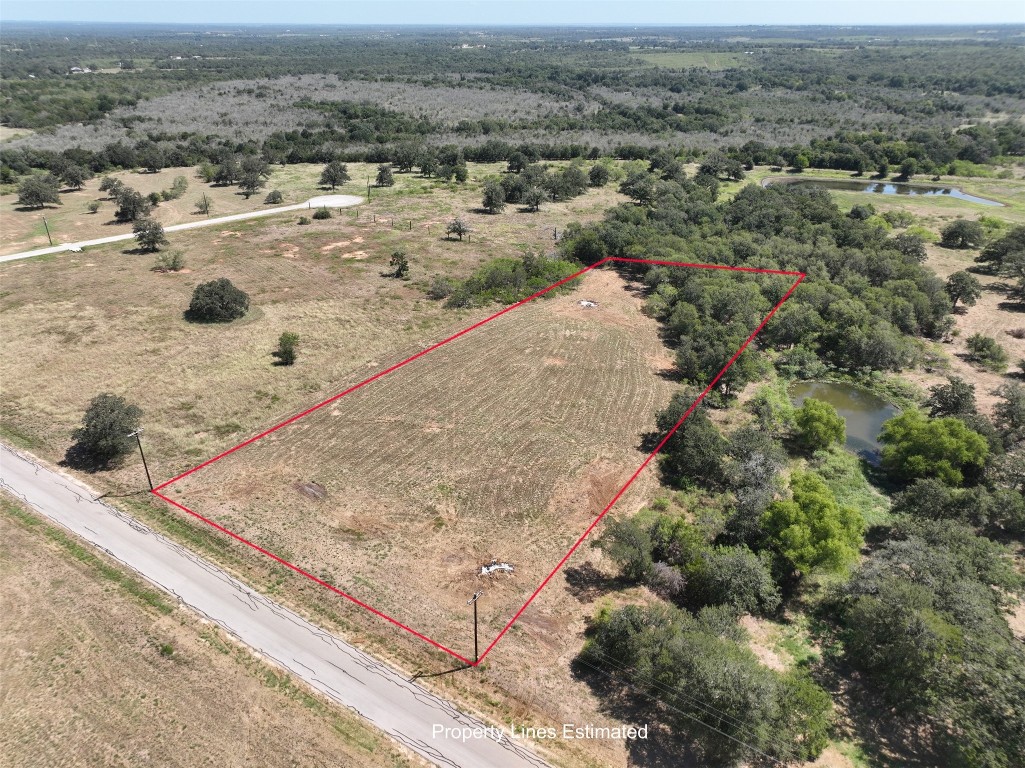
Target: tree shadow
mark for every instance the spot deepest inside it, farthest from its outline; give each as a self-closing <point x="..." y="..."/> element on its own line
<point x="1012" y="306"/>
<point x="77" y="457"/>
<point x="586" y="583"/>
<point x="35" y="208"/>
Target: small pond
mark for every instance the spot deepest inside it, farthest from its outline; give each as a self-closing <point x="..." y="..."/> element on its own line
<point x="863" y="411"/>
<point x="889" y="188"/>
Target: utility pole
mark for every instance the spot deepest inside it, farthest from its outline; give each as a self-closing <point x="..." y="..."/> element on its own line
<point x="47" y="226"/>
<point x="473" y="601"/>
<point x="138" y="439"/>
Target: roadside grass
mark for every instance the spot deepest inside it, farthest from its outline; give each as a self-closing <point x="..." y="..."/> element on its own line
<point x="137" y="588"/>
<point x="101" y="669"/>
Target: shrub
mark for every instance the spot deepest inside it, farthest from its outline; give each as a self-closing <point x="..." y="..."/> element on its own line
<point x="285" y="353"/>
<point x="93" y="206"/>
<point x="598" y="176"/>
<point x="322" y="213"/>
<point x="217" y="302"/>
<point x="303" y="220"/>
<point x="441" y="288"/>
<point x="919" y="447"/>
<point x="171" y="261"/>
<point x="400" y="262"/>
<point x="385" y="178"/>
<point x="819" y="425"/>
<point x="274" y="197"/>
<point x="962" y="234"/>
<point x="149" y="234"/>
<point x="987" y="352"/>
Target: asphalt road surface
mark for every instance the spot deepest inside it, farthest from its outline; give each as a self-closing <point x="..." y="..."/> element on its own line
<point x="400" y="708"/>
<point x="325" y="201"/>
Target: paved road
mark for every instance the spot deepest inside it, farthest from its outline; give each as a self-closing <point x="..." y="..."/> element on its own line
<point x="329" y="201"/>
<point x="403" y="710"/>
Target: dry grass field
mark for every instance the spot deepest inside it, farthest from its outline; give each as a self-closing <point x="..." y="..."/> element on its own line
<point x="79" y="324"/>
<point x="504" y="444"/>
<point x="94" y="677"/>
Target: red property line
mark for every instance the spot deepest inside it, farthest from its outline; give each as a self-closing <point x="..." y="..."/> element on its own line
<point x="800" y="276"/>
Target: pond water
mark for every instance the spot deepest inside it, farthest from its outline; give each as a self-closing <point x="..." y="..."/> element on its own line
<point x="863" y="411"/>
<point x="891" y="188"/>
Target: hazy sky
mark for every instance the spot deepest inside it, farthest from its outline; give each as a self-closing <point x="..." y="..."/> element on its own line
<point x="484" y="12"/>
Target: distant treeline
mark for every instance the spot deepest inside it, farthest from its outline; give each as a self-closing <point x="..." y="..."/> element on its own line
<point x="366" y="133"/>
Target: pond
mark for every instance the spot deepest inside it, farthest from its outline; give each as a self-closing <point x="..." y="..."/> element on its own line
<point x="889" y="188"/>
<point x="863" y="411"/>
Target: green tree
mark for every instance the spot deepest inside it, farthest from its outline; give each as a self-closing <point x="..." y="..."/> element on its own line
<point x="37" y="191"/>
<point x="811" y="530"/>
<point x="334" y="174"/>
<point x="819" y="425"/>
<point x="229" y="171"/>
<point x="457" y="227"/>
<point x="494" y="197"/>
<point x="103" y="439"/>
<point x="517" y="162"/>
<point x="964" y="287"/>
<point x="385" y="177"/>
<point x="406" y="155"/>
<point x="639" y="186"/>
<point x="908" y="168"/>
<point x="217" y="302"/>
<point x="695" y="453"/>
<point x="286" y="352"/>
<point x="75" y="176"/>
<point x="1009" y="412"/>
<point x="131" y="205"/>
<point x="916" y="446"/>
<point x="962" y="234"/>
<point x="987" y="352"/>
<point x="400" y="263"/>
<point x="598" y="176"/>
<point x="534" y="197"/>
<point x="250" y="183"/>
<point x="628" y="543"/>
<point x="955" y="398"/>
<point x="149" y="234"/>
<point x="735" y="577"/>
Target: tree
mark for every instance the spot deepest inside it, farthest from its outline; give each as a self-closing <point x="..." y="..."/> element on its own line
<point x="517" y="162"/>
<point x="916" y="446"/>
<point x="250" y="183"/>
<point x="131" y="205"/>
<point x="334" y="174"/>
<point x="598" y="176"/>
<point x="963" y="287"/>
<point x="149" y="234"/>
<point x="987" y="352"/>
<point x="285" y="353"/>
<point x="628" y="543"/>
<point x="1009" y="413"/>
<point x="385" y="178"/>
<point x="639" y="186"/>
<point x="406" y="155"/>
<point x="400" y="263"/>
<point x="203" y="205"/>
<point x="494" y="197"/>
<point x="533" y="198"/>
<point x="955" y="398"/>
<point x="457" y="227"/>
<point x="229" y="171"/>
<point x="217" y="302"/>
<point x="103" y="439"/>
<point x="696" y="451"/>
<point x="37" y="191"/>
<point x="75" y="176"/>
<point x="111" y="186"/>
<point x="962" y="234"/>
<point x="732" y="576"/>
<point x="811" y="530"/>
<point x="428" y="163"/>
<point x="819" y="425"/>
<point x="908" y="168"/>
<point x="274" y="197"/>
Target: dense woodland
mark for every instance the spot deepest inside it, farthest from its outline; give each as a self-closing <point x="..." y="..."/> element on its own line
<point x="911" y="606"/>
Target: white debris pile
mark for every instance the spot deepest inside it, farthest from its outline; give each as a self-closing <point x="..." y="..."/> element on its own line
<point x="587" y="303"/>
<point x="496" y="567"/>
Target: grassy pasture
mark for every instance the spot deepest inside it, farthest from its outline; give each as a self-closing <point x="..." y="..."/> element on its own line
<point x="504" y="444"/>
<point x="95" y="674"/>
